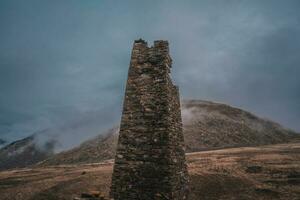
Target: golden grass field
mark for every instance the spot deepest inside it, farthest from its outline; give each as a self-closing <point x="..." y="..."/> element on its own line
<point x="266" y="172"/>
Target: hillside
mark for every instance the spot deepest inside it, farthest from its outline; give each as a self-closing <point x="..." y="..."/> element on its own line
<point x="210" y="125"/>
<point x="102" y="147"/>
<point x="206" y="125"/>
<point x="22" y="153"/>
<point x="261" y="173"/>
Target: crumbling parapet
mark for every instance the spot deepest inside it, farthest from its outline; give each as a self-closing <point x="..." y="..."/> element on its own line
<point x="150" y="160"/>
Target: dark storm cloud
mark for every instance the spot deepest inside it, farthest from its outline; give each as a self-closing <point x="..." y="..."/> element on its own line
<point x="65" y="62"/>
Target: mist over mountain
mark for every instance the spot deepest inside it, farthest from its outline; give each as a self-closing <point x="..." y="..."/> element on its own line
<point x="209" y="125"/>
<point x="24" y="153"/>
<point x="64" y="70"/>
<point x="206" y="125"/>
<point x="2" y="142"/>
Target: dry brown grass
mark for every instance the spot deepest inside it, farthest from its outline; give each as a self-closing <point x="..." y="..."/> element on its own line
<point x="268" y="172"/>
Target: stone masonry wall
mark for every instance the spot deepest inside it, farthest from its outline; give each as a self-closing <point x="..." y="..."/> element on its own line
<point x="150" y="160"/>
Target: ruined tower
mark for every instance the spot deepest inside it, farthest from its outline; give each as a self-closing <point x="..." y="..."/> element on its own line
<point x="150" y="160"/>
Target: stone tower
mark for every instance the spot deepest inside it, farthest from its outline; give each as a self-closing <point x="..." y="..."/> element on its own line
<point x="150" y="160"/>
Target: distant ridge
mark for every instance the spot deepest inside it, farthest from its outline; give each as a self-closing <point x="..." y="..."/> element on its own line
<point x="206" y="125"/>
<point x="23" y="153"/>
<point x="210" y="125"/>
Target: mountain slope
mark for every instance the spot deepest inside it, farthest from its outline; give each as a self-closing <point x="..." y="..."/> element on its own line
<point x="24" y="152"/>
<point x="100" y="148"/>
<point x="213" y="125"/>
<point x="206" y="125"/>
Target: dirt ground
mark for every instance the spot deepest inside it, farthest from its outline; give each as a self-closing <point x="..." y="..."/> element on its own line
<point x="267" y="172"/>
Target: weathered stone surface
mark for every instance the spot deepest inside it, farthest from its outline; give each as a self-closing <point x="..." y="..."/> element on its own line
<point x="150" y="160"/>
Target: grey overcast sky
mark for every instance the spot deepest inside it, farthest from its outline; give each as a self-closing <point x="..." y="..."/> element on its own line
<point x="64" y="63"/>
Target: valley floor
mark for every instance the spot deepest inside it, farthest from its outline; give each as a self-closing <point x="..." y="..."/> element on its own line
<point x="266" y="172"/>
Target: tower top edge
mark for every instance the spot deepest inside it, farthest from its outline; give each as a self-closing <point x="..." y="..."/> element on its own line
<point x="140" y="41"/>
<point x="157" y="43"/>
